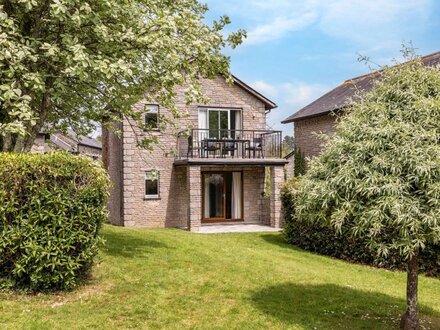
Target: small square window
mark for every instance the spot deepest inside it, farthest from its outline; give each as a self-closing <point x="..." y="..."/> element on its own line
<point x="152" y="184"/>
<point x="151" y="116"/>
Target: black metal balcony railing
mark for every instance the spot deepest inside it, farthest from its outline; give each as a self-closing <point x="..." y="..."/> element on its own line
<point x="208" y="143"/>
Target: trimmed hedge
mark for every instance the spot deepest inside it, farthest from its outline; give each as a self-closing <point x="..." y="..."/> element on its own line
<point x="323" y="240"/>
<point x="51" y="209"/>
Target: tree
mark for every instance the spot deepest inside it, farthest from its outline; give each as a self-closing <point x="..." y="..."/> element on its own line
<point x="70" y="63"/>
<point x="288" y="144"/>
<point x="378" y="178"/>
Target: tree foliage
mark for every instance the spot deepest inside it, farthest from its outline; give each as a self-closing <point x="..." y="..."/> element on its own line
<point x="288" y="144"/>
<point x="379" y="176"/>
<point x="69" y="63"/>
<point x="299" y="162"/>
<point x="319" y="238"/>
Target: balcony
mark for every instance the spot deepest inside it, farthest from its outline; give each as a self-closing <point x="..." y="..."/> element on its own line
<point x="220" y="146"/>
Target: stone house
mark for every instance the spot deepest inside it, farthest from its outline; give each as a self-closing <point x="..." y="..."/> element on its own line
<point x="220" y="166"/>
<point x="69" y="141"/>
<point x="320" y="116"/>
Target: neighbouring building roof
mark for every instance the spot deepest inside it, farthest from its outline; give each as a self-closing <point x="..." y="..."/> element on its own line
<point x="267" y="103"/>
<point x="84" y="140"/>
<point x="339" y="97"/>
<point x="69" y="141"/>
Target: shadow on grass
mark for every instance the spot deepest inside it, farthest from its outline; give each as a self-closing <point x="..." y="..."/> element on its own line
<point x="129" y="245"/>
<point x="280" y="241"/>
<point x="329" y="306"/>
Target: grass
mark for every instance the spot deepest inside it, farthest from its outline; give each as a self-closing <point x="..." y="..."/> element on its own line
<point x="172" y="279"/>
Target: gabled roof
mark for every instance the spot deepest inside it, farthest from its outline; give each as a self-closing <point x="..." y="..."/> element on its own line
<point x="84" y="140"/>
<point x="69" y="141"/>
<point x="269" y="105"/>
<point x="70" y="134"/>
<point x="339" y="97"/>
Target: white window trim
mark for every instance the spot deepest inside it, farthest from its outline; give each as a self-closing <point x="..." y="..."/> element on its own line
<point x="152" y="108"/>
<point x="207" y="110"/>
<point x="155" y="196"/>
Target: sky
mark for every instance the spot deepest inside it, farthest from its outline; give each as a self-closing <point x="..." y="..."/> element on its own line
<point x="297" y="50"/>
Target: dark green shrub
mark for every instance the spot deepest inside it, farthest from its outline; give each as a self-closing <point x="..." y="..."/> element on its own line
<point x="299" y="162"/>
<point x="321" y="239"/>
<point x="51" y="209"/>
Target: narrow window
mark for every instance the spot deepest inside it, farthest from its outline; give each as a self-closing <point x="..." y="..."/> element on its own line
<point x="151" y="116"/>
<point x="152" y="184"/>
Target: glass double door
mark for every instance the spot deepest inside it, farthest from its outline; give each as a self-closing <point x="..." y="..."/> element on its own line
<point x="218" y="123"/>
<point x="222" y="196"/>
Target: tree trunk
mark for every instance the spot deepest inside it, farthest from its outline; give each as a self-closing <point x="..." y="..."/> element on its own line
<point x="18" y="144"/>
<point x="6" y="142"/>
<point x="23" y="144"/>
<point x="105" y="147"/>
<point x="410" y="320"/>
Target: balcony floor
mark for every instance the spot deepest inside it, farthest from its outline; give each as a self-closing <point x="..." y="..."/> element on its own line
<point x="231" y="161"/>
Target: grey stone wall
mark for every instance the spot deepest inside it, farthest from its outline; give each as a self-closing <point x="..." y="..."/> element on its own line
<point x="89" y="151"/>
<point x="179" y="203"/>
<point x="290" y="168"/>
<point x="41" y="145"/>
<point x="257" y="208"/>
<point x="276" y="179"/>
<point x="305" y="137"/>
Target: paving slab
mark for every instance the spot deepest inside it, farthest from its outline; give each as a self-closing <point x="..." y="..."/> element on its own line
<point x="236" y="228"/>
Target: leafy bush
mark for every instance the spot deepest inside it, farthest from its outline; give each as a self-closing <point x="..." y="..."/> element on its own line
<point x="51" y="209"/>
<point x="299" y="162"/>
<point x="319" y="238"/>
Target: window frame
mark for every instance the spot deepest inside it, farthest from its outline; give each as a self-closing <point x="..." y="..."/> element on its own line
<point x="148" y="110"/>
<point x="230" y="110"/>
<point x="155" y="196"/>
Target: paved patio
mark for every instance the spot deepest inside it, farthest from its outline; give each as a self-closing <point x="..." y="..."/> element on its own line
<point x="236" y="228"/>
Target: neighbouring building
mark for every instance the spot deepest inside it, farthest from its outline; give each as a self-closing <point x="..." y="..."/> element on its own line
<point x="223" y="166"/>
<point x="68" y="141"/>
<point x="320" y="116"/>
<point x="289" y="169"/>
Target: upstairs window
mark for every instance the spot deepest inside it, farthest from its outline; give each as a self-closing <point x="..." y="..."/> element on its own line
<point x="218" y="123"/>
<point x="151" y="116"/>
<point x="152" y="184"/>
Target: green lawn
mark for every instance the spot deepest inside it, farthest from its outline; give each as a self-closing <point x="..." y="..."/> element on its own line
<point x="174" y="279"/>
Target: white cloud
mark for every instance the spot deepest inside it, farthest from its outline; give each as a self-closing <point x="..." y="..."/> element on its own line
<point x="293" y="94"/>
<point x="373" y="23"/>
<point x="300" y="94"/>
<point x="290" y="97"/>
<point x="265" y="88"/>
<point x="279" y="28"/>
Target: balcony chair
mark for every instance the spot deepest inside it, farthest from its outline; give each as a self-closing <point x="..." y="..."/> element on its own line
<point x="229" y="147"/>
<point x="256" y="147"/>
<point x="208" y="147"/>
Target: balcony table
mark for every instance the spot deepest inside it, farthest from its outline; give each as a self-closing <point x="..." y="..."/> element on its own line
<point x="221" y="142"/>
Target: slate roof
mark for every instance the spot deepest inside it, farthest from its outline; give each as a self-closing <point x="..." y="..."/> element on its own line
<point x="69" y="141"/>
<point x="84" y="140"/>
<point x="339" y="97"/>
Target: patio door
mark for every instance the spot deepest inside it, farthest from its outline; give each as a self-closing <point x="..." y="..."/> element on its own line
<point x="218" y="123"/>
<point x="214" y="120"/>
<point x="222" y="196"/>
